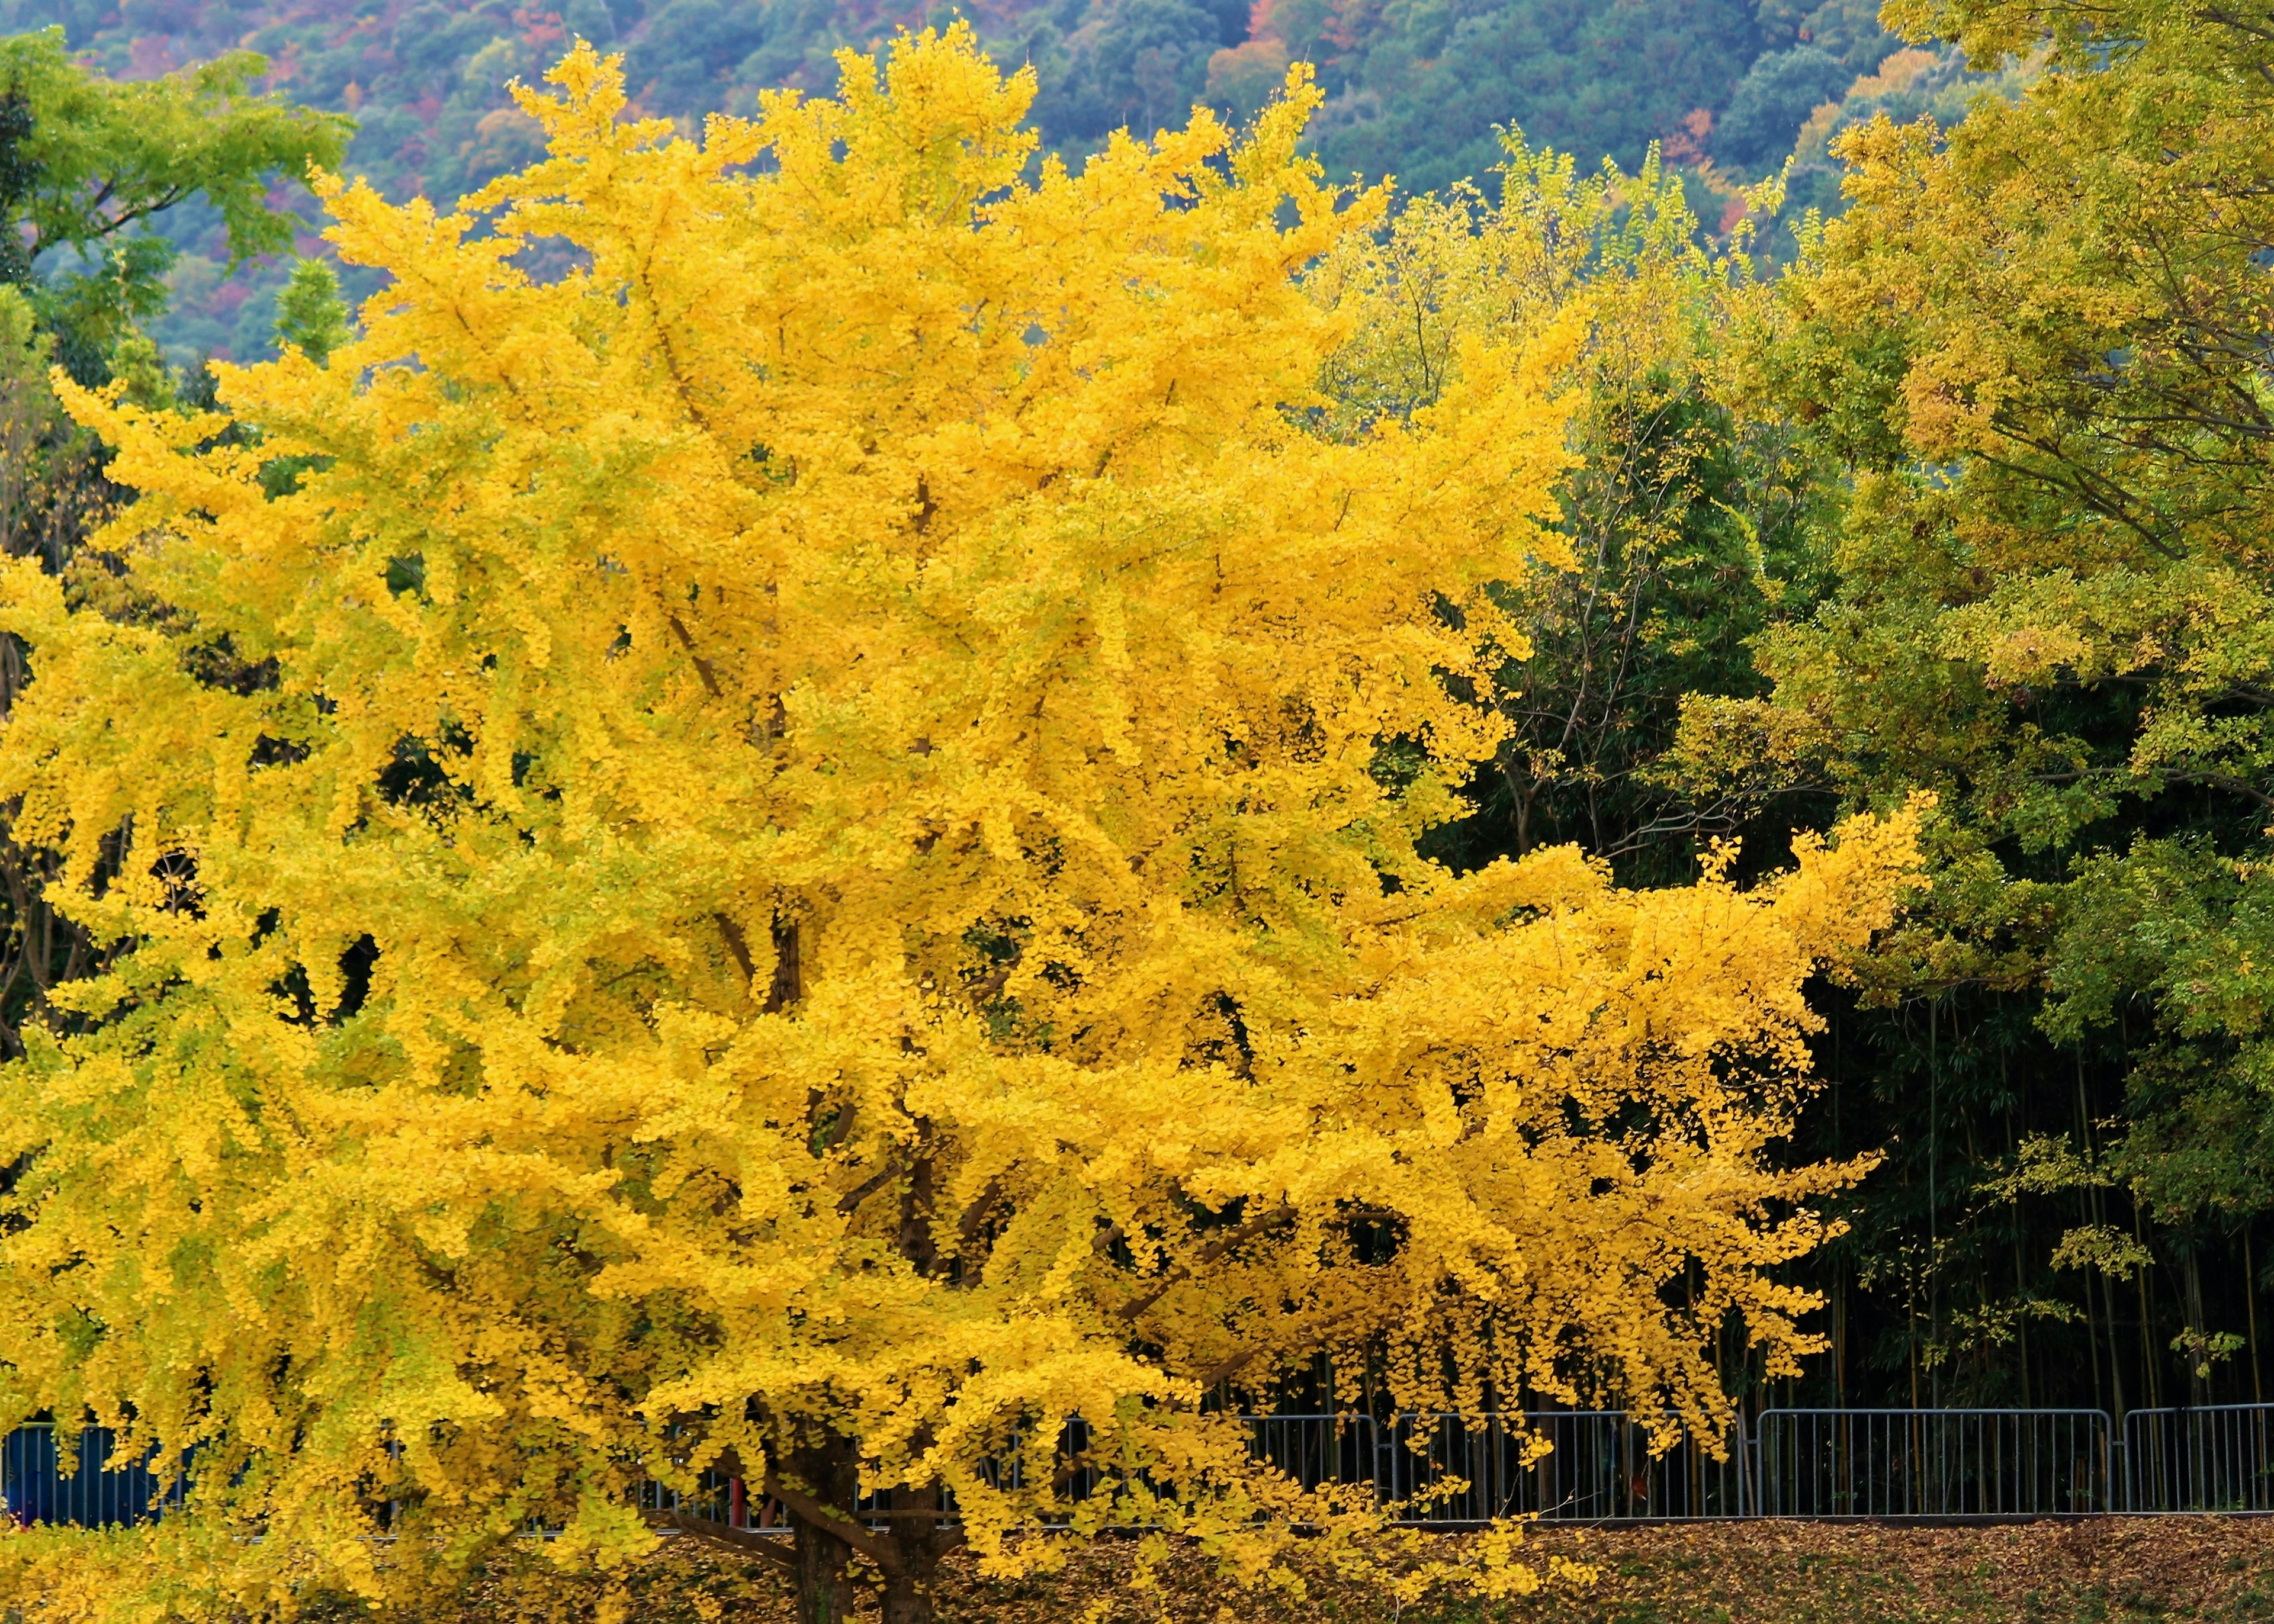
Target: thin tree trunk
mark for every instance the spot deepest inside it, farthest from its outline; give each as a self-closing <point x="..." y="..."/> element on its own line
<point x="2153" y="1380"/>
<point x="1839" y="1334"/>
<point x="2092" y="1322"/>
<point x="1933" y="1192"/>
<point x="2250" y="1309"/>
<point x="2199" y="1390"/>
<point x="2098" y="1211"/>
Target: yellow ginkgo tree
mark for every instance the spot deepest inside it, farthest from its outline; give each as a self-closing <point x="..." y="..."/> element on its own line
<point x="791" y="852"/>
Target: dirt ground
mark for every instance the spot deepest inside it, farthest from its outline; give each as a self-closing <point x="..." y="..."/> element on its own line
<point x="2130" y="1568"/>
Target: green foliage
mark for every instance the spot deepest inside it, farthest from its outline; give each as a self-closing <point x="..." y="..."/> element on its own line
<point x="50" y="487"/>
<point x="86" y="163"/>
<point x="2034" y="345"/>
<point x="100" y="155"/>
<point x="1775" y="97"/>
<point x="310" y="316"/>
<point x="1426" y="88"/>
<point x="1138" y="64"/>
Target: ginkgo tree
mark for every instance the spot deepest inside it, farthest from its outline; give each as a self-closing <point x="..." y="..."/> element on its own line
<point x="795" y="853"/>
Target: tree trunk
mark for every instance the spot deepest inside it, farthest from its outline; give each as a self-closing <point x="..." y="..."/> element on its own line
<point x="916" y="1540"/>
<point x="824" y="1578"/>
<point x="825" y="1562"/>
<point x="908" y="1599"/>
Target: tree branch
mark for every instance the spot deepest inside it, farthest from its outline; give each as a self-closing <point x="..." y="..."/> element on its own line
<point x="741" y="1541"/>
<point x="1231" y="1367"/>
<point x="850" y="1201"/>
<point x="836" y="1523"/>
<point x="736" y="945"/>
<point x="977" y="1214"/>
<point x="702" y="666"/>
<point x="1245" y="1232"/>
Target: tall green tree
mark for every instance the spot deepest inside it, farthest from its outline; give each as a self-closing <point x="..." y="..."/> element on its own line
<point x="2038" y="342"/>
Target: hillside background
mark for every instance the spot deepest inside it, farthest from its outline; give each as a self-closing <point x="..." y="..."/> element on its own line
<point x="1415" y="87"/>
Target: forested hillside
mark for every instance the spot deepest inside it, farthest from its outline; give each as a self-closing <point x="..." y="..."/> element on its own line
<point x="1415" y="87"/>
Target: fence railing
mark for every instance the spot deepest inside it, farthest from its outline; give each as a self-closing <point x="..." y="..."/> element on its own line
<point x="1596" y="1467"/>
<point x="2216" y="1458"/>
<point x="34" y="1489"/>
<point x="1934" y="1463"/>
<point x="1566" y="1466"/>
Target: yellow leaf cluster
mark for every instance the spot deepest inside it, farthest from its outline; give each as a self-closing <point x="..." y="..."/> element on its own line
<point x="779" y="842"/>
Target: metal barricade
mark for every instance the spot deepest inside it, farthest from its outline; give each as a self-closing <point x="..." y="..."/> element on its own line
<point x="1593" y="1466"/>
<point x="2213" y="1457"/>
<point x="97" y="1494"/>
<point x="1317" y="1451"/>
<point x="713" y="1498"/>
<point x="1597" y="1467"/>
<point x="1018" y="1465"/>
<point x="1934" y="1463"/>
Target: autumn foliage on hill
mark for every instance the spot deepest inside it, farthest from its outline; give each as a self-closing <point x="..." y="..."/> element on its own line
<point x="1418" y="91"/>
<point x="796" y="852"/>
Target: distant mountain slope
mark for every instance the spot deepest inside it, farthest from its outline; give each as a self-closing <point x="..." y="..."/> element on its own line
<point x="1415" y="87"/>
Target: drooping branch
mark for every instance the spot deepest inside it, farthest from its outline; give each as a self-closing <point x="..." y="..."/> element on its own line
<point x="1240" y="1236"/>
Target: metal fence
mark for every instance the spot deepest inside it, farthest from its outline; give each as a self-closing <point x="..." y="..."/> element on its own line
<point x="1568" y="1466"/>
<point x="34" y="1489"/>
<point x="1934" y="1463"/>
<point x="2216" y="1458"/>
<point x="1588" y="1466"/>
<point x="1319" y="1451"/>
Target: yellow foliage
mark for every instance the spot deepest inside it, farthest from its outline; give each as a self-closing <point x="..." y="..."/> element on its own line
<point x="776" y="852"/>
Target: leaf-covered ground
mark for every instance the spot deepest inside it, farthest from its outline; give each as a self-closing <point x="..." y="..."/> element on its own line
<point x="1765" y="1573"/>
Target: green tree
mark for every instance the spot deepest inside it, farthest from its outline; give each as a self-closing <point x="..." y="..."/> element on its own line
<point x="86" y="163"/>
<point x="310" y="316"/>
<point x="1693" y="524"/>
<point x="2037" y="343"/>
